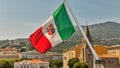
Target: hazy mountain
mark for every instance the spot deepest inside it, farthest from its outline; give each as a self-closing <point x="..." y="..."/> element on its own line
<point x="107" y="33"/>
<point x="107" y="30"/>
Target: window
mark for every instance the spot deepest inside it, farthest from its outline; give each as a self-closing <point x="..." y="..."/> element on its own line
<point x="109" y="61"/>
<point x="65" y="58"/>
<point x="15" y="66"/>
<point x="27" y="66"/>
<point x="36" y="66"/>
<point x="113" y="52"/>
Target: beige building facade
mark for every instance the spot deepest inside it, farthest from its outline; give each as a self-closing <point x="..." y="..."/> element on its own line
<point x="9" y="53"/>
<point x="114" y="50"/>
<point x="73" y="52"/>
<point x="31" y="64"/>
<point x="84" y="54"/>
<point x="109" y="61"/>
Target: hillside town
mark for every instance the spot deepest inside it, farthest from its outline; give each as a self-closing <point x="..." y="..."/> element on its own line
<point x="109" y="55"/>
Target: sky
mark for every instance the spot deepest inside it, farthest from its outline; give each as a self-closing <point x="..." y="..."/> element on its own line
<point x="20" y="18"/>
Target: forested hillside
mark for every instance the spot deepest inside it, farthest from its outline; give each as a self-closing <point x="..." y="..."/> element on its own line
<point x="107" y="33"/>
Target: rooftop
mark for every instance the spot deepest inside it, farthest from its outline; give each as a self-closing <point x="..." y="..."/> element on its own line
<point x="31" y="61"/>
<point x="113" y="46"/>
<point x="107" y="56"/>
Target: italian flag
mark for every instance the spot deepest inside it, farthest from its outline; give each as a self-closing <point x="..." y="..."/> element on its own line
<point x="56" y="29"/>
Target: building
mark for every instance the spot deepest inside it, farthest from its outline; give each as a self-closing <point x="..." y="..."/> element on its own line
<point x="109" y="61"/>
<point x="51" y="56"/>
<point x="73" y="52"/>
<point x="9" y="53"/>
<point x="31" y="55"/>
<point x="8" y="50"/>
<point x="82" y="51"/>
<point x="44" y="57"/>
<point x="86" y="55"/>
<point x="114" y="50"/>
<point x="31" y="64"/>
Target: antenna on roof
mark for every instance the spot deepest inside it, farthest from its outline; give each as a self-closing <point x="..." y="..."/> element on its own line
<point x="86" y="23"/>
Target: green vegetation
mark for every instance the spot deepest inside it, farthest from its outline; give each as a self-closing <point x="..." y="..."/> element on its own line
<point x="56" y="63"/>
<point x="7" y="63"/>
<point x="80" y="65"/>
<point x="22" y="49"/>
<point x="75" y="63"/>
<point x="72" y="61"/>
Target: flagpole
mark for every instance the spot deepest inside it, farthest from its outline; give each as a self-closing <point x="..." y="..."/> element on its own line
<point x="80" y="28"/>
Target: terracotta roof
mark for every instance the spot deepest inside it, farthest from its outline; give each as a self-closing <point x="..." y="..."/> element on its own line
<point x="34" y="61"/>
<point x="114" y="46"/>
<point x="37" y="61"/>
<point x="107" y="56"/>
<point x="100" y="49"/>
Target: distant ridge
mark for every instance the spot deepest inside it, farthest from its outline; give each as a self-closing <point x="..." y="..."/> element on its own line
<point x="107" y="33"/>
<point x="106" y="30"/>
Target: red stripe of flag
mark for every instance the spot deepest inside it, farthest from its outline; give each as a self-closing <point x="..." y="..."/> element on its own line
<point x="39" y="41"/>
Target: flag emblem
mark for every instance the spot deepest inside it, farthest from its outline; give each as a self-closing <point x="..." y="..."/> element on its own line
<point x="51" y="29"/>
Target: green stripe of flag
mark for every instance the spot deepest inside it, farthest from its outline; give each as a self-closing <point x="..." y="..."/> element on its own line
<point x="63" y="22"/>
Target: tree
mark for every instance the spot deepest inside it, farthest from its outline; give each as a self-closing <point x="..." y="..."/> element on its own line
<point x="7" y="63"/>
<point x="77" y="65"/>
<point x="80" y="65"/>
<point x="84" y="65"/>
<point x="56" y="63"/>
<point x="72" y="61"/>
<point x="23" y="49"/>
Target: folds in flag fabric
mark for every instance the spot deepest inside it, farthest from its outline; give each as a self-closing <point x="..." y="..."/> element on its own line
<point x="56" y="29"/>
